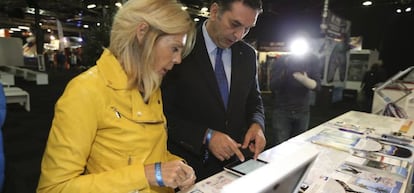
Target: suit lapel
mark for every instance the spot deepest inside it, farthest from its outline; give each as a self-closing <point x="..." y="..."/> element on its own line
<point x="236" y="72"/>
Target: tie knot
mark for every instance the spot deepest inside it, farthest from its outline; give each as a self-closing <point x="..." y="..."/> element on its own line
<point x="219" y="51"/>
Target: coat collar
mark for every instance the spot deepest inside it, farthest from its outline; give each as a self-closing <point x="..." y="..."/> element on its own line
<point x="111" y="70"/>
<point x="115" y="77"/>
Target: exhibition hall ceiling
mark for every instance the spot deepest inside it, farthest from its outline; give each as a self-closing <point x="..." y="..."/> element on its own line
<point x="74" y="14"/>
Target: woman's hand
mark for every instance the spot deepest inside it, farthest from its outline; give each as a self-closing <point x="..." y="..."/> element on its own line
<point x="174" y="174"/>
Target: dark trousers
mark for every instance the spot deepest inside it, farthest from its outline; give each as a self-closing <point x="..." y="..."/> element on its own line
<point x="287" y="124"/>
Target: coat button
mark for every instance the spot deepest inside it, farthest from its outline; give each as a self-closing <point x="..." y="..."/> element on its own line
<point x="139" y="113"/>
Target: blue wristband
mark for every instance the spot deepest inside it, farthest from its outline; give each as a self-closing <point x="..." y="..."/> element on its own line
<point x="209" y="134"/>
<point x="208" y="137"/>
<point x="158" y="174"/>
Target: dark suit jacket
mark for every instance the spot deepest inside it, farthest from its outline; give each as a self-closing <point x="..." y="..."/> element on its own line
<point x="192" y="103"/>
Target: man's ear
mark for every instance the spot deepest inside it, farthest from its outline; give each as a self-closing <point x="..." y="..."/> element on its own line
<point x="214" y="8"/>
<point x="142" y="29"/>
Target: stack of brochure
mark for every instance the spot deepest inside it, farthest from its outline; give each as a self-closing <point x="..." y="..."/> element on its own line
<point x="374" y="164"/>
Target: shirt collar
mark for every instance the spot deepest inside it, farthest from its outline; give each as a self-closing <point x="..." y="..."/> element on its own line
<point x="210" y="45"/>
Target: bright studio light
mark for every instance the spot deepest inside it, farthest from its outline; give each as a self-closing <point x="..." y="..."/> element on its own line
<point x="367" y="3"/>
<point x="91" y="6"/>
<point x="299" y="46"/>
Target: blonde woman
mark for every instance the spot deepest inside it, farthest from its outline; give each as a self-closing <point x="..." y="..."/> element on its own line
<point x="109" y="131"/>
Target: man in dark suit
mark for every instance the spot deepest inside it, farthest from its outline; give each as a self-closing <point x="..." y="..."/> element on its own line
<point x="206" y="127"/>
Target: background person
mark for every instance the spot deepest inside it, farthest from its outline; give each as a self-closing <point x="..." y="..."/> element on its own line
<point x="207" y="125"/>
<point x="109" y="131"/>
<point x="376" y="74"/>
<point x="292" y="79"/>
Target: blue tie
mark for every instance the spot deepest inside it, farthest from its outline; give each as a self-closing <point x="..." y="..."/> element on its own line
<point x="221" y="77"/>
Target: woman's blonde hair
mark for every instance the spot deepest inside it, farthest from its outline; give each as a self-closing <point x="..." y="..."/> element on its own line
<point x="163" y="17"/>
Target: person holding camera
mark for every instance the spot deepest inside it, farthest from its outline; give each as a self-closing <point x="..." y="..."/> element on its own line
<point x="293" y="77"/>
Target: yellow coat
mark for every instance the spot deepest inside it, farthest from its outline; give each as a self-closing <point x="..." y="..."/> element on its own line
<point x="103" y="134"/>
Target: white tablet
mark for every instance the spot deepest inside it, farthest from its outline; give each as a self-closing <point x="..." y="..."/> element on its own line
<point x="242" y="168"/>
<point x="284" y="174"/>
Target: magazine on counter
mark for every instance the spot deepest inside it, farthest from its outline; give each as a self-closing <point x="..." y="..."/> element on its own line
<point x="373" y="181"/>
<point x="335" y="138"/>
<point x="335" y="184"/>
<point x="213" y="184"/>
<point x="384" y="148"/>
<point x="381" y="158"/>
<point x="349" y="178"/>
<point x="378" y="166"/>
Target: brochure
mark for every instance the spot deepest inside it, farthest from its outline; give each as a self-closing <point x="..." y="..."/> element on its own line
<point x="213" y="184"/>
<point x="336" y="139"/>
<point x="380" y="158"/>
<point x="377" y="166"/>
<point x="326" y="184"/>
<point x="369" y="180"/>
<point x="384" y="148"/>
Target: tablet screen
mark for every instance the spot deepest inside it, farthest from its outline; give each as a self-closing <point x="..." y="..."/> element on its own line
<point x="242" y="168"/>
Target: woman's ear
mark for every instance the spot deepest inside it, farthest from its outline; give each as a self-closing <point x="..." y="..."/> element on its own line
<point x="142" y="29"/>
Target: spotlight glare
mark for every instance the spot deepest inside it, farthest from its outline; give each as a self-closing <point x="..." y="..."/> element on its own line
<point x="118" y="4"/>
<point x="367" y="3"/>
<point x="91" y="6"/>
<point x="299" y="46"/>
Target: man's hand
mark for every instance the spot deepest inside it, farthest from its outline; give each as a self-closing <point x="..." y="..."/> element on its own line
<point x="254" y="139"/>
<point x="223" y="147"/>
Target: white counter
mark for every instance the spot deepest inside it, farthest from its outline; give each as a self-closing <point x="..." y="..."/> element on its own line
<point x="329" y="159"/>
